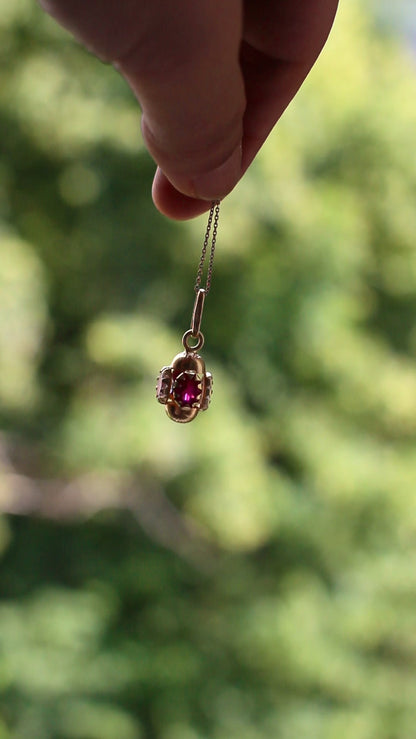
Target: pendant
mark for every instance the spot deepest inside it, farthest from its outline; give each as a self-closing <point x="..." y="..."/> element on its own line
<point x="185" y="387"/>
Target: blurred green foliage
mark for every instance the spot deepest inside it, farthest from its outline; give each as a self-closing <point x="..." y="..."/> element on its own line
<point x="253" y="575"/>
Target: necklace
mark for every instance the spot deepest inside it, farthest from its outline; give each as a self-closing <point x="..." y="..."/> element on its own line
<point x="185" y="387"/>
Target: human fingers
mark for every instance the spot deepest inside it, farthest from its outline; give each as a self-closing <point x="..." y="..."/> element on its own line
<point x="173" y="203"/>
<point x="182" y="61"/>
<point x="281" y="42"/>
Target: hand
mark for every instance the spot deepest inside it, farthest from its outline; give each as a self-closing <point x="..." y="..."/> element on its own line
<point x="212" y="79"/>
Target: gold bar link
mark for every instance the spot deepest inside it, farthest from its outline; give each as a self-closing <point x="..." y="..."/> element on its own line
<point x="197" y="312"/>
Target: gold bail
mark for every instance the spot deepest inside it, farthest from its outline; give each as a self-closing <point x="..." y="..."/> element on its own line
<point x="197" y="312"/>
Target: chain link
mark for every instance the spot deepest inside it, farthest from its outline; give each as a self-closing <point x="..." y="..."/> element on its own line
<point x="213" y="217"/>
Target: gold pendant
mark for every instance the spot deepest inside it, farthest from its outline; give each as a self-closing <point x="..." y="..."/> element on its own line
<point x="185" y="387"/>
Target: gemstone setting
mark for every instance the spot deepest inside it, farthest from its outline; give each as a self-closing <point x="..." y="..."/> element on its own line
<point x="184" y="387"/>
<point x="187" y="389"/>
<point x="163" y="384"/>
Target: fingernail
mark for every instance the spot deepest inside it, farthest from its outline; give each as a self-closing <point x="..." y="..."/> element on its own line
<point x="217" y="183"/>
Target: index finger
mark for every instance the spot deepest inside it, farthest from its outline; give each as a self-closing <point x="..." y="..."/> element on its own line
<point x="182" y="61"/>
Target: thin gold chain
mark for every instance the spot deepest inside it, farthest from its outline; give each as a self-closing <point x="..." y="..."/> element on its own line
<point x="213" y="218"/>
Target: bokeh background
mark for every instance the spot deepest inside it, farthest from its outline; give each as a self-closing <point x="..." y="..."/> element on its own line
<point x="251" y="575"/>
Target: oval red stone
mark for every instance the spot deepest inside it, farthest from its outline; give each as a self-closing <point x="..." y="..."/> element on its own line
<point x="187" y="389"/>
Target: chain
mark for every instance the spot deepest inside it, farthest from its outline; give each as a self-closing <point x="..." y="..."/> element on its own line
<point x="213" y="217"/>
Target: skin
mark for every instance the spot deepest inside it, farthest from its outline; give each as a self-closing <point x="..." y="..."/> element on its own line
<point x="212" y="79"/>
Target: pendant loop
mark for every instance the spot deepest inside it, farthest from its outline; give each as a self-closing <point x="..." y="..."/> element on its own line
<point x="199" y="344"/>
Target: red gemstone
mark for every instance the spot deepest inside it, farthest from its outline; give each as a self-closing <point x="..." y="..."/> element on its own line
<point x="187" y="389"/>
